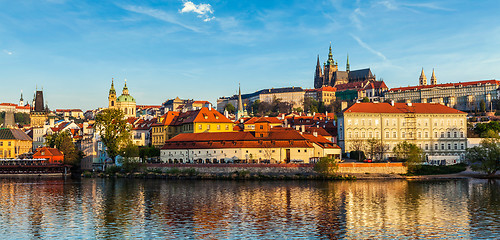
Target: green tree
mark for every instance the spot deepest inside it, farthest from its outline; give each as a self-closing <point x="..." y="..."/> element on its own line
<point x="64" y="143"/>
<point x="114" y="130"/>
<point x="486" y="156"/>
<point x="410" y="153"/>
<point x="325" y="166"/>
<point x="365" y="99"/>
<point x="230" y="108"/>
<point x="482" y="106"/>
<point x="130" y="154"/>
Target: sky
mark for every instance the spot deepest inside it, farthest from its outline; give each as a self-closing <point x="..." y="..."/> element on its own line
<point x="202" y="49"/>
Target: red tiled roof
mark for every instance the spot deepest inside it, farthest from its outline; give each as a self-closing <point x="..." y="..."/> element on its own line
<point x="253" y="120"/>
<point x="402" y="108"/>
<point x="320" y="140"/>
<point x="201" y="115"/>
<point x="47" y="152"/>
<point x="201" y="102"/>
<point x="494" y="82"/>
<point x="8" y="104"/>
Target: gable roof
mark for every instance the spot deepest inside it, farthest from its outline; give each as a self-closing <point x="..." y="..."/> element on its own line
<point x="14" y="134"/>
<point x="434" y="108"/>
<point x="447" y="85"/>
<point x="46" y="151"/>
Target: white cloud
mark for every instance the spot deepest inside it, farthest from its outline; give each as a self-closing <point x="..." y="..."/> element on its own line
<point x="8" y="52"/>
<point x="367" y="47"/>
<point x="161" y="15"/>
<point x="204" y="10"/>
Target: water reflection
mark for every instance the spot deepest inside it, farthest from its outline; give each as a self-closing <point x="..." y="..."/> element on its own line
<point x="124" y="209"/>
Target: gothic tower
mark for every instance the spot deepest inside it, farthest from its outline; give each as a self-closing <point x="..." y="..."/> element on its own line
<point x="433" y="78"/>
<point x="318" y="76"/>
<point x="347" y="66"/>
<point x="329" y="70"/>
<point x="423" y="78"/>
<point x="241" y="111"/>
<point x="21" y="101"/>
<point x="112" y="95"/>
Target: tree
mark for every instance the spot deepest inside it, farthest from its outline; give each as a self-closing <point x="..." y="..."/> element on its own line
<point x="64" y="143"/>
<point x="326" y="165"/>
<point x="376" y="148"/>
<point x="365" y="99"/>
<point x="230" y="108"/>
<point x="410" y="153"/>
<point x="486" y="156"/>
<point x="130" y="153"/>
<point x="113" y="129"/>
<point x="357" y="146"/>
<point x="482" y="106"/>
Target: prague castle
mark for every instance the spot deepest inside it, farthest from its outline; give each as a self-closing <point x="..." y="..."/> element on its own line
<point x="330" y="75"/>
<point x="124" y="102"/>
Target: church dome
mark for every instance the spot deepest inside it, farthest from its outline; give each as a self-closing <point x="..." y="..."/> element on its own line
<point x="125" y="98"/>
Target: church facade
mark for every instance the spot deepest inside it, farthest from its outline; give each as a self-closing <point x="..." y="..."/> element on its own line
<point x="330" y="75"/>
<point x="125" y="102"/>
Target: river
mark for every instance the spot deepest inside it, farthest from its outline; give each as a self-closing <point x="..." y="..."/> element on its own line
<point x="194" y="209"/>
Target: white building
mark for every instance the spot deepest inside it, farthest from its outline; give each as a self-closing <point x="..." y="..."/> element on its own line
<point x="437" y="129"/>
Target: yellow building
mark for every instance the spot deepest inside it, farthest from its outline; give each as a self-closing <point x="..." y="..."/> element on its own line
<point x="264" y="145"/>
<point x="440" y="131"/>
<point x="14" y="142"/>
<point x="125" y="102"/>
<point x="197" y="121"/>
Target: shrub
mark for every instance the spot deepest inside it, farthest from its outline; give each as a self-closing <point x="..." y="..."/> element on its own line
<point x="325" y="166"/>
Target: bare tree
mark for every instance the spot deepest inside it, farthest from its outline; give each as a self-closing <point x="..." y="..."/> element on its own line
<point x="357" y="145"/>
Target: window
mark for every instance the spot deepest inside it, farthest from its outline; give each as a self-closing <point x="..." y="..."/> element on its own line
<point x="305" y="150"/>
<point x="461" y="134"/>
<point x="442" y="146"/>
<point x="426" y="134"/>
<point x="218" y="127"/>
<point x="199" y="126"/>
<point x="261" y="126"/>
<point x="449" y="146"/>
<point x="1" y="144"/>
<point x="8" y="144"/>
<point x="426" y="146"/>
<point x="419" y="135"/>
<point x="462" y="146"/>
<point x="370" y="134"/>
<point x="387" y="134"/>
<point x="208" y="126"/>
<point x="435" y="146"/>
<point x="394" y="135"/>
<point x="363" y="134"/>
<point x="403" y="134"/>
<point x="456" y="146"/>
<point x="227" y="127"/>
<point x="435" y="134"/>
<point x="449" y="134"/>
<point x="298" y="150"/>
<point x="442" y="134"/>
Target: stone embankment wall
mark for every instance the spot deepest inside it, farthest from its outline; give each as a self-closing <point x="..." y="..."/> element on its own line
<point x="285" y="169"/>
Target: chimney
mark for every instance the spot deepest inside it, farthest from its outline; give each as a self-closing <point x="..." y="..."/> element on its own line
<point x="392" y="103"/>
<point x="409" y="104"/>
<point x="209" y="107"/>
<point x="315" y="134"/>
<point x="303" y="128"/>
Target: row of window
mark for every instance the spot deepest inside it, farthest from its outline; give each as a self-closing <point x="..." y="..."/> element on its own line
<point x="404" y="122"/>
<point x="227" y="151"/>
<point x="405" y="135"/>
<point x="8" y="144"/>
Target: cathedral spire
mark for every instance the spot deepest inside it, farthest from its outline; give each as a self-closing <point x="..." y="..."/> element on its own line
<point x="433" y="78"/>
<point x="21" y="101"/>
<point x="240" y="102"/>
<point x="347" y="66"/>
<point x="330" y="56"/>
<point x="423" y="78"/>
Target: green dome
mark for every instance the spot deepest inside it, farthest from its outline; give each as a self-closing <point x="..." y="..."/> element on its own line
<point x="125" y="98"/>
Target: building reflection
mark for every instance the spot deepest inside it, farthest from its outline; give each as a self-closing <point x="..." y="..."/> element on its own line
<point x="130" y="208"/>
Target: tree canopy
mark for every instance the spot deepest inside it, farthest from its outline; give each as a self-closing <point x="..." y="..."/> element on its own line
<point x="230" y="108"/>
<point x="486" y="156"/>
<point x="410" y="153"/>
<point x="64" y="143"/>
<point x="113" y="129"/>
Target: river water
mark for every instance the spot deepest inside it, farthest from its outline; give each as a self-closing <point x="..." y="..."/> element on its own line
<point x="194" y="209"/>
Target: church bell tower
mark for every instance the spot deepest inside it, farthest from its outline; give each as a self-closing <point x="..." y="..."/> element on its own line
<point x="112" y="95"/>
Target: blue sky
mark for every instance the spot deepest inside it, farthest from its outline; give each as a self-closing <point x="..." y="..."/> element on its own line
<point x="203" y="49"/>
